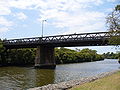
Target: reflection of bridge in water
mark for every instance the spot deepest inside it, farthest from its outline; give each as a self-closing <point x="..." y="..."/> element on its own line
<point x="45" y="45"/>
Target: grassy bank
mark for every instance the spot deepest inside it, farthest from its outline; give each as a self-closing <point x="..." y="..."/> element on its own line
<point x="107" y="83"/>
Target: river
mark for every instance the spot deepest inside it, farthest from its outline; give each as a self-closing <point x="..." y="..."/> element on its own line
<point x="22" y="78"/>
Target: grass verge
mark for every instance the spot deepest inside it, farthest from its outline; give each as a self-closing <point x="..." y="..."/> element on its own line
<point x="107" y="83"/>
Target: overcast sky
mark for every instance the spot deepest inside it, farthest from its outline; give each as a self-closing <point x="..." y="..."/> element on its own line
<point x="22" y="18"/>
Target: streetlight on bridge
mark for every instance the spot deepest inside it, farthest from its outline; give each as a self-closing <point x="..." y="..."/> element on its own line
<point x="43" y="26"/>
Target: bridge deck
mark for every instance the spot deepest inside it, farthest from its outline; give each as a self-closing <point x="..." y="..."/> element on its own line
<point x="84" y="39"/>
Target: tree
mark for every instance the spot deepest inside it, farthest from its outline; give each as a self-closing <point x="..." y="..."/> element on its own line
<point x="2" y="53"/>
<point x="113" y="23"/>
<point x="113" y="19"/>
<point x="1" y="46"/>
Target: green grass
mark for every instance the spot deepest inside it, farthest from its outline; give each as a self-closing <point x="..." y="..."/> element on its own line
<point x="107" y="83"/>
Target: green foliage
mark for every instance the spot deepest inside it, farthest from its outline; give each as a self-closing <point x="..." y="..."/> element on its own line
<point x="1" y="46"/>
<point x="117" y="8"/>
<point x="21" y="56"/>
<point x="16" y="56"/>
<point x="111" y="55"/>
<point x="113" y="19"/>
<point x="113" y="22"/>
<point x="64" y="55"/>
<point x="0" y="50"/>
<point x="115" y="40"/>
<point x="2" y="53"/>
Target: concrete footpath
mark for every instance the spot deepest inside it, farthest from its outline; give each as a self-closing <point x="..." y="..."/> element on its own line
<point x="72" y="83"/>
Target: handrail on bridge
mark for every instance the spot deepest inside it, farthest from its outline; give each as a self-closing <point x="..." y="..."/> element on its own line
<point x="61" y="37"/>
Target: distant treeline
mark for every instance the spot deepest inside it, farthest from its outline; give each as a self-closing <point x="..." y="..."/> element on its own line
<point x="62" y="56"/>
<point x="111" y="55"/>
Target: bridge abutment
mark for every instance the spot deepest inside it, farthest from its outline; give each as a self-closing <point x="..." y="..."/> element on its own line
<point x="45" y="57"/>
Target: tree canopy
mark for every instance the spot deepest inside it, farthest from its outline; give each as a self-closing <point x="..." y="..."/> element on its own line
<point x="64" y="55"/>
<point x="113" y="19"/>
<point x="113" y="23"/>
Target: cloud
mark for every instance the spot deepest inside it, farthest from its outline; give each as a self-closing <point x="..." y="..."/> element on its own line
<point x="26" y="4"/>
<point x="4" y="8"/>
<point x="3" y="29"/>
<point x="74" y="15"/>
<point x="5" y="25"/>
<point x="95" y="2"/>
<point x="111" y="0"/>
<point x="21" y="16"/>
<point x="5" y="22"/>
<point x="96" y="27"/>
<point x="77" y="19"/>
<point x="4" y="11"/>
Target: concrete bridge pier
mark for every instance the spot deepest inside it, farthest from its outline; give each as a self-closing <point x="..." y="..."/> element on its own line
<point x="45" y="58"/>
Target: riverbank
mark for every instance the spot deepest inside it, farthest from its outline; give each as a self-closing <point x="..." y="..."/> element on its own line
<point x="111" y="82"/>
<point x="73" y="83"/>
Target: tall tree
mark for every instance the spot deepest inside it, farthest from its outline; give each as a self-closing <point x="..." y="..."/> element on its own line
<point x="113" y="23"/>
<point x="113" y="19"/>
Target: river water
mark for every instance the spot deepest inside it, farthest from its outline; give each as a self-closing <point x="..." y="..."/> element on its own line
<point x="22" y="78"/>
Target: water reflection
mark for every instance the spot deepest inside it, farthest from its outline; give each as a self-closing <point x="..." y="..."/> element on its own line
<point x="43" y="77"/>
<point x="21" y="78"/>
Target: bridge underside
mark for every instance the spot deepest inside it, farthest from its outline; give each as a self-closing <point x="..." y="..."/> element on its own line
<point x="45" y="53"/>
<point x="97" y="42"/>
<point x="45" y="45"/>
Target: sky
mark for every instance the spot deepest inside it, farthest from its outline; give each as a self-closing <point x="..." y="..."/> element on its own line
<point x="23" y="18"/>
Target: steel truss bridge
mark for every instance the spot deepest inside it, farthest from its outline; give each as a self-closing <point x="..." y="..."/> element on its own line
<point x="83" y="39"/>
<point x="45" y="57"/>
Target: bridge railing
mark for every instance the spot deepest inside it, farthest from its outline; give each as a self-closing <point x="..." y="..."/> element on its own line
<point x="62" y="38"/>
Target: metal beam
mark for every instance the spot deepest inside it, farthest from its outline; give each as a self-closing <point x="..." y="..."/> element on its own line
<point x="83" y="39"/>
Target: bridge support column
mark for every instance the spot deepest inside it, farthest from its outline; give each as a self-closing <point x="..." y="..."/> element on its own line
<point x="45" y="57"/>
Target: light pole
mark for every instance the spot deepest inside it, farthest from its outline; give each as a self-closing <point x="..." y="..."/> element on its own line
<point x="42" y="25"/>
